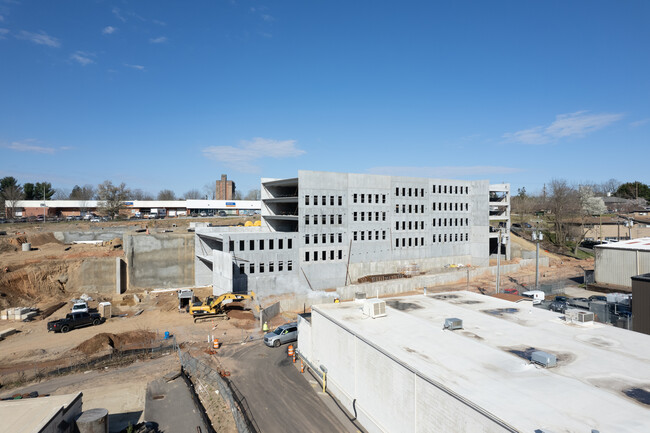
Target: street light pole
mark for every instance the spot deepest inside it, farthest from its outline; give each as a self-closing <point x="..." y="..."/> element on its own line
<point x="498" y="260"/>
<point x="537" y="237"/>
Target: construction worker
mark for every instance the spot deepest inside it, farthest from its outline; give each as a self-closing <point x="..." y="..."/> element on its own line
<point x="265" y="327"/>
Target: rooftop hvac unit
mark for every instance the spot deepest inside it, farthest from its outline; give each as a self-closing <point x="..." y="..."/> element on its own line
<point x="585" y="316"/>
<point x="544" y="359"/>
<point x="374" y="308"/>
<point x="453" y="323"/>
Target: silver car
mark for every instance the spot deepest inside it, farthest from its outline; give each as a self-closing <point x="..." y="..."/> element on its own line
<point x="283" y="334"/>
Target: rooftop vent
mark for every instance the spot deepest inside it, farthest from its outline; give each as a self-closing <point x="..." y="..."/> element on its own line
<point x="544" y="359"/>
<point x="453" y="323"/>
<point x="374" y="308"/>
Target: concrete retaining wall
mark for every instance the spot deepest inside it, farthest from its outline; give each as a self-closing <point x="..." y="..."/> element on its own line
<point x="92" y="235"/>
<point x="159" y="260"/>
<point x="402" y="285"/>
<point x="95" y="275"/>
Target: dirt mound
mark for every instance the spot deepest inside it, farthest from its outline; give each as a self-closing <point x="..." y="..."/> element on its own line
<point x="39" y="239"/>
<point x="123" y="341"/>
<point x="7" y="245"/>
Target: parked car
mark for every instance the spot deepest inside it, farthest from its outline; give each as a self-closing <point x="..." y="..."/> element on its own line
<point x="74" y="320"/>
<point x="536" y="295"/>
<point x="598" y="298"/>
<point x="282" y="334"/>
<point x="579" y="302"/>
<point x="79" y="307"/>
<point x="222" y="213"/>
<point x="558" y="306"/>
<point x="95" y="220"/>
<point x="511" y="291"/>
<point x="561" y="298"/>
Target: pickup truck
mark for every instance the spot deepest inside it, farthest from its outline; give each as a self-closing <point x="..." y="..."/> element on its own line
<point x="74" y="320"/>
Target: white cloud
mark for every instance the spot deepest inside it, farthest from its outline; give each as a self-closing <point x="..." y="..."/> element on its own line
<point x="138" y="67"/>
<point x="576" y="124"/>
<point x="30" y="145"/>
<point x="158" y="40"/>
<point x="108" y="30"/>
<point x="241" y="156"/>
<point x="160" y="23"/>
<point x="2" y="18"/>
<point x="3" y="33"/>
<point x="82" y="57"/>
<point x="640" y="122"/>
<point x="118" y="15"/>
<point x="41" y="38"/>
<point x="267" y="18"/>
<point x="448" y="172"/>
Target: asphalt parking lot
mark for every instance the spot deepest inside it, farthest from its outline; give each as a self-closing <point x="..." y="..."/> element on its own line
<point x="277" y="395"/>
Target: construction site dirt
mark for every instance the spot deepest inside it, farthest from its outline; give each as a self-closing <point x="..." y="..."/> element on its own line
<point x="277" y="395"/>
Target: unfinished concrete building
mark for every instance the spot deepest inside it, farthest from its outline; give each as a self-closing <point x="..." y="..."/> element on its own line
<point x="324" y="230"/>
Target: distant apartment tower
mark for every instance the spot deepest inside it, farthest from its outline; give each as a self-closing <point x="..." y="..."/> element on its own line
<point x="225" y="189"/>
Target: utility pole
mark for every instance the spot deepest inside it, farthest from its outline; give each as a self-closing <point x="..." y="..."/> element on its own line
<point x="537" y="237"/>
<point x="498" y="260"/>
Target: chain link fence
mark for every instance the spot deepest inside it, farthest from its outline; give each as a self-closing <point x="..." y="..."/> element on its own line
<point x="206" y="377"/>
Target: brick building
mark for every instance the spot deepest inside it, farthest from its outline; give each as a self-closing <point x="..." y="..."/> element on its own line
<point x="225" y="189"/>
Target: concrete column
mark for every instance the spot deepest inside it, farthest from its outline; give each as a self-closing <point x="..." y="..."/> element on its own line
<point x="118" y="275"/>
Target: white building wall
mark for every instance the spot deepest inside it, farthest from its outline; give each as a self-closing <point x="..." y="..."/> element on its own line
<point x="386" y="395"/>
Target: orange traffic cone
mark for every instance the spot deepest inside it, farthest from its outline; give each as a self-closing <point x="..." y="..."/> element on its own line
<point x="302" y="367"/>
<point x="294" y="358"/>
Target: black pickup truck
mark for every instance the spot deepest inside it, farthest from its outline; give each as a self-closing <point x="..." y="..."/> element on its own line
<point x="74" y="320"/>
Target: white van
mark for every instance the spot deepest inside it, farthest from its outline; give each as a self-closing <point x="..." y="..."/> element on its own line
<point x="536" y="295"/>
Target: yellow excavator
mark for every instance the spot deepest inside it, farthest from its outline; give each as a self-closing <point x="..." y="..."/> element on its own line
<point x="214" y="306"/>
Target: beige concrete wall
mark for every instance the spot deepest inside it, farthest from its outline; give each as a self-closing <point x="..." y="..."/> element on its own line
<point x="94" y="275"/>
<point x="162" y="260"/>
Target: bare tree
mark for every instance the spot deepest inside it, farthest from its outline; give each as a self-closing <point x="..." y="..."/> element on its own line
<point x="590" y="206"/>
<point x="193" y="194"/>
<point x="86" y="192"/>
<point x="253" y="194"/>
<point x="61" y="194"/>
<point x="237" y="195"/>
<point x="166" y="194"/>
<point x="138" y="194"/>
<point x="209" y="191"/>
<point x="112" y="197"/>
<point x="12" y="194"/>
<point x="564" y="203"/>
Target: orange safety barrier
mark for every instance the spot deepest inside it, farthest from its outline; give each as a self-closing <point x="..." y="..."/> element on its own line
<point x="302" y="367"/>
<point x="215" y="343"/>
<point x="294" y="358"/>
<point x="290" y="351"/>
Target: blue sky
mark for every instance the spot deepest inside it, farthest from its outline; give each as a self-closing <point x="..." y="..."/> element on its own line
<point x="170" y="95"/>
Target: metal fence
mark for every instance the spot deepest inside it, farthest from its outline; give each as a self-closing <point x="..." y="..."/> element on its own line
<point x="234" y="399"/>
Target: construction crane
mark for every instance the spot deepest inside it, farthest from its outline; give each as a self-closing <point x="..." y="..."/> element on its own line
<point x="214" y="306"/>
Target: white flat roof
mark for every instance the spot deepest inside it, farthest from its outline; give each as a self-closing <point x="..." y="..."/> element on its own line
<point x="642" y="244"/>
<point x="597" y="363"/>
<point x="32" y="414"/>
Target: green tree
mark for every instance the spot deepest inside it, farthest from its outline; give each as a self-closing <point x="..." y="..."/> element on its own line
<point x="9" y="187"/>
<point x="633" y="190"/>
<point x="38" y="191"/>
<point x="112" y="197"/>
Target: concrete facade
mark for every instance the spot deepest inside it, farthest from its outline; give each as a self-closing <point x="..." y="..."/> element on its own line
<point x="159" y="260"/>
<point x="324" y="230"/>
<point x="404" y="372"/>
<point x="96" y="275"/>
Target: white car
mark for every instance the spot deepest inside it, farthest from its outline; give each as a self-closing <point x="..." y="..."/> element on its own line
<point x="95" y="220"/>
<point x="79" y="307"/>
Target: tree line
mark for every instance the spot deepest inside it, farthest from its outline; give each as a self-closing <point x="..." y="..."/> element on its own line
<point x="111" y="196"/>
<point x="568" y="208"/>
